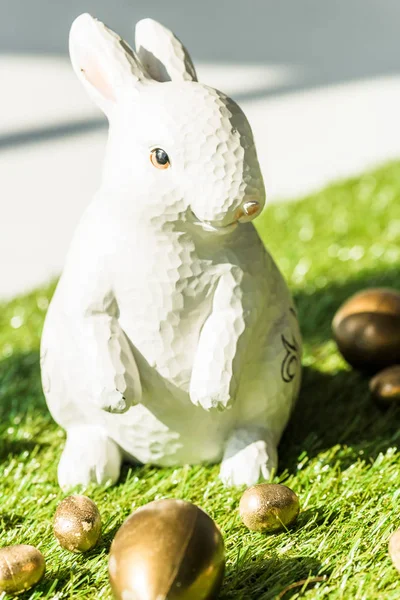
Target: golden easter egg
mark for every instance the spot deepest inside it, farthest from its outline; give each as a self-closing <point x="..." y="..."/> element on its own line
<point x="269" y="507"/>
<point x="167" y="549"/>
<point x="366" y="329"/>
<point x="77" y="523"/>
<point x="21" y="567"/>
<point x="385" y="387"/>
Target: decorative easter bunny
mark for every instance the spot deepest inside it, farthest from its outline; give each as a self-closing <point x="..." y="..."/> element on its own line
<point x="172" y="336"/>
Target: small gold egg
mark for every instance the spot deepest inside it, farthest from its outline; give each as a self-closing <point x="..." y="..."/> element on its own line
<point x="269" y="507"/>
<point x="366" y="329"/>
<point x="385" y="387"/>
<point x="77" y="523"/>
<point x="394" y="549"/>
<point x="167" y="549"/>
<point x="21" y="567"/>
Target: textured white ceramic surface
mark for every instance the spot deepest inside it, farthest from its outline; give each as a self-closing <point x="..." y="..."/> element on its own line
<point x="172" y="337"/>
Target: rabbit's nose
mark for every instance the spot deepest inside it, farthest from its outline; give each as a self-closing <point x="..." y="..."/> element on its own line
<point x="248" y="211"/>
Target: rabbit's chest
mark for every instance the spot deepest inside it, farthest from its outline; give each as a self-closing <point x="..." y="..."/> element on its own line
<point x="164" y="296"/>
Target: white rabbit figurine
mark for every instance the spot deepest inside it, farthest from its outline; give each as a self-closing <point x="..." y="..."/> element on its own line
<point x="171" y="337"/>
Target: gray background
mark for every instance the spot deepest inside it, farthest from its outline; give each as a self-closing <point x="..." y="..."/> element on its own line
<point x="332" y="40"/>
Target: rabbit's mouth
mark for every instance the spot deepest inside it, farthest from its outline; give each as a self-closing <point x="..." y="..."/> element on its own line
<point x="246" y="213"/>
<point x="207" y="226"/>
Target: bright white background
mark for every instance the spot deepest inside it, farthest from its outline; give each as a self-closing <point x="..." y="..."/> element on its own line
<point x="319" y="81"/>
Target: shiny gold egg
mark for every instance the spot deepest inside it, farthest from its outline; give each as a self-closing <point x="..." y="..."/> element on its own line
<point x="167" y="549"/>
<point x="21" y="567"/>
<point x="366" y="329"/>
<point x="77" y="523"/>
<point x="394" y="549"/>
<point x="385" y="386"/>
<point x="269" y="507"/>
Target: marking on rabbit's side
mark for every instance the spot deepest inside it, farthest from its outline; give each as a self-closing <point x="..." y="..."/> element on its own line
<point x="289" y="363"/>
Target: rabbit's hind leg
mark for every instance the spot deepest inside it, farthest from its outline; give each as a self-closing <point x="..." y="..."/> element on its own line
<point x="89" y="456"/>
<point x="250" y="455"/>
<point x="266" y="396"/>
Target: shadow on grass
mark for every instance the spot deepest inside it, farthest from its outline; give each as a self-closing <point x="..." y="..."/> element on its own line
<point x="317" y="308"/>
<point x="20" y="388"/>
<point x="315" y="517"/>
<point x="10" y="521"/>
<point x="107" y="538"/>
<point x="269" y="578"/>
<point x="336" y="408"/>
<point x="17" y="447"/>
<point x="274" y="576"/>
<point x="21" y="399"/>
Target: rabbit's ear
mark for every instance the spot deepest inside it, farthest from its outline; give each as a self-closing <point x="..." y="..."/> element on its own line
<point x="161" y="53"/>
<point x="102" y="60"/>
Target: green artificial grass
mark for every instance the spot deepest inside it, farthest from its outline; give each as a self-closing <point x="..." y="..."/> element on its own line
<point x="339" y="452"/>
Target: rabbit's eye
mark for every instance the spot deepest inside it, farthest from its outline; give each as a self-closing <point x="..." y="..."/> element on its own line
<point x="159" y="158"/>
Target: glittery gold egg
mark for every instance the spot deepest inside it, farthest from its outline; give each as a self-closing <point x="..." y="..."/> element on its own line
<point x="21" y="567"/>
<point x="167" y="549"/>
<point x="366" y="329"/>
<point x="269" y="507"/>
<point x="77" y="523"/>
<point x="385" y="387"/>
